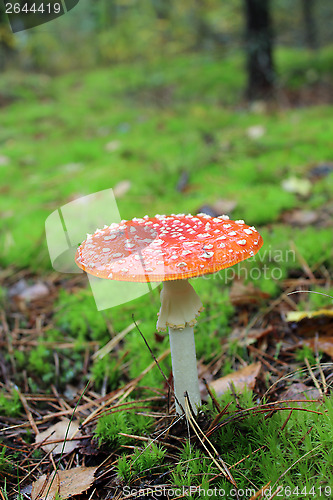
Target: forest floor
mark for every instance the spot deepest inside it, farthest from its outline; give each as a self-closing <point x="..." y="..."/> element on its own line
<point x="171" y="137"/>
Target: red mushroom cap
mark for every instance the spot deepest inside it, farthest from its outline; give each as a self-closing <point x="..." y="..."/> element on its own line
<point x="164" y="248"/>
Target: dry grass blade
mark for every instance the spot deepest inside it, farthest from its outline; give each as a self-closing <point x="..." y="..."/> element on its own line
<point x="296" y="462"/>
<point x="107" y="348"/>
<point x="260" y="493"/>
<point x="223" y="469"/>
<point x="315" y="381"/>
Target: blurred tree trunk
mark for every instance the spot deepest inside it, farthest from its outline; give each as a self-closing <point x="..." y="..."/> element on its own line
<point x="310" y="30"/>
<point x="259" y="49"/>
<point x="6" y="40"/>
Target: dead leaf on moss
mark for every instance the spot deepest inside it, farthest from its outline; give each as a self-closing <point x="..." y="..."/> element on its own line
<point x="57" y="432"/>
<point x="324" y="344"/>
<point x="67" y="483"/>
<point x="246" y="337"/>
<point x="245" y="377"/>
<point x="244" y="294"/>
<point x="299" y="390"/>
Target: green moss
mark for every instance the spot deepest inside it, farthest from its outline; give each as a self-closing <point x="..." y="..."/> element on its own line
<point x="125" y="420"/>
<point x="105" y="369"/>
<point x="10" y="406"/>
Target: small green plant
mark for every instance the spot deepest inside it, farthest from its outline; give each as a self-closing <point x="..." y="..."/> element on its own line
<point x="39" y="363"/>
<point x="124" y="420"/>
<point x="10" y="406"/>
<point x="305" y="352"/>
<point x="105" y="369"/>
<point x="144" y="461"/>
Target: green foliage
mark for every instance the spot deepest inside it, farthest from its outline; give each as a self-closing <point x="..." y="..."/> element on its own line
<point x="10" y="406"/>
<point x="77" y="315"/>
<point x="6" y="464"/>
<point x="105" y="368"/>
<point x="305" y="352"/>
<point x="124" y="420"/>
<point x="144" y="461"/>
<point x="40" y="363"/>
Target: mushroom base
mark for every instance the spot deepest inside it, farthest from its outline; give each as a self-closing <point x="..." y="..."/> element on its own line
<point x="184" y="368"/>
<point x="180" y="305"/>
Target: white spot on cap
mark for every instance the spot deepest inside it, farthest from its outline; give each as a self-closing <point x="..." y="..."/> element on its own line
<point x="111" y="237"/>
<point x="240" y="221"/>
<point x="116" y="255"/>
<point x="247" y="231"/>
<point x="207" y="255"/>
<point x="106" y="249"/>
<point x="241" y="242"/>
<point x="226" y="226"/>
<point x="181" y="264"/>
<point x="232" y="233"/>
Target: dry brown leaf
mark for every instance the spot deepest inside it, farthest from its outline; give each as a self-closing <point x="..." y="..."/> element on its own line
<point x="246" y="337"/>
<point x="58" y="432"/>
<point x="298" y="390"/>
<point x="324" y="344"/>
<point x="67" y="483"/>
<point x="244" y="294"/>
<point x="245" y="377"/>
<point x="299" y="217"/>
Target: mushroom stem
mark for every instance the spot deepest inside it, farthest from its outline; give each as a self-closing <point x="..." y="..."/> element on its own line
<point x="184" y="367"/>
<point x="180" y="305"/>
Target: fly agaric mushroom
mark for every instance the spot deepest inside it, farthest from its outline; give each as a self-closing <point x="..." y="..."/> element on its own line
<point x="171" y="249"/>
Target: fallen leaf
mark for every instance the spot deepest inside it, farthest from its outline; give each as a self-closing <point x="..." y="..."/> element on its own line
<point x="295" y="316"/>
<point x="21" y="290"/>
<point x="122" y="188"/>
<point x="298" y="390"/>
<point x="300" y="217"/>
<point x="246" y="337"/>
<point x="243" y="294"/>
<point x="324" y="344"/>
<point x="255" y="132"/>
<point x="57" y="432"/>
<point x="67" y="483"/>
<point x="245" y="377"/>
<point x="297" y="186"/>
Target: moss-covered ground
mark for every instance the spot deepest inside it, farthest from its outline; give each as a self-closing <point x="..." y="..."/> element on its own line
<point x="181" y="133"/>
